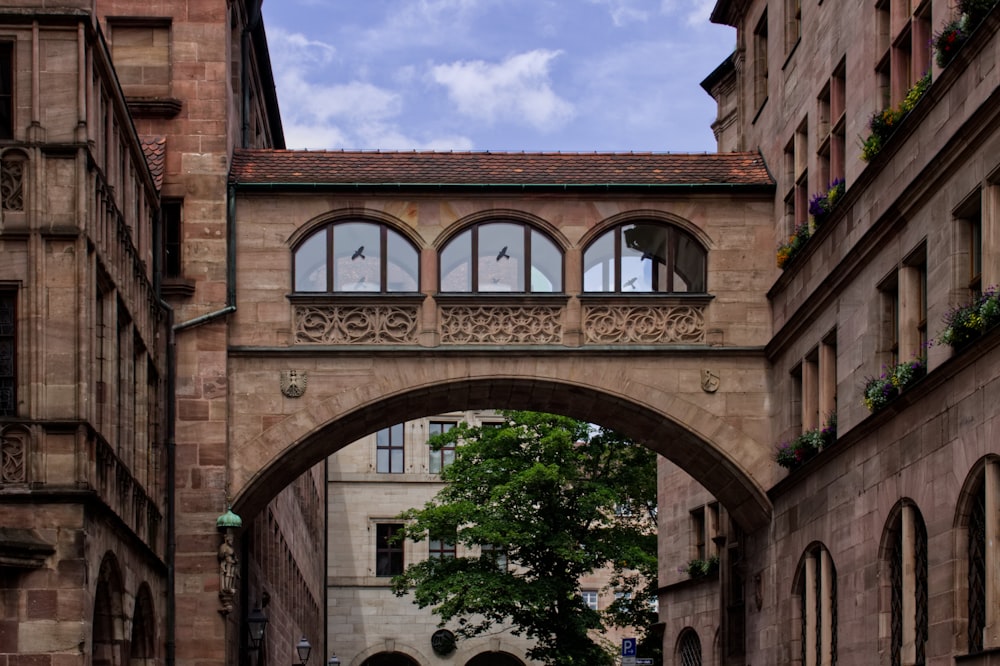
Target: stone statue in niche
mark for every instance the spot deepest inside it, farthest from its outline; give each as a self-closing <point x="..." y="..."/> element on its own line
<point x="229" y="567"/>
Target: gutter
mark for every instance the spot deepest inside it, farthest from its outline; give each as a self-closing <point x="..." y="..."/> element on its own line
<point x="566" y="187"/>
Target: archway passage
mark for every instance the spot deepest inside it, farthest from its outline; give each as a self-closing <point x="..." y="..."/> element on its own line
<point x="620" y="395"/>
<point x="494" y="659"/>
<point x="389" y="659"/>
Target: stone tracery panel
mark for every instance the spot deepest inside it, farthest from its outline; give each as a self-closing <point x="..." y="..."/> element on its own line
<point x="364" y="324"/>
<point x="13" y="457"/>
<point x="507" y="324"/>
<point x="644" y="324"/>
<point x="12" y="184"/>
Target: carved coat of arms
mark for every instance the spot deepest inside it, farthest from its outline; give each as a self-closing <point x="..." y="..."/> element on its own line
<point x="293" y="383"/>
<point x="709" y="381"/>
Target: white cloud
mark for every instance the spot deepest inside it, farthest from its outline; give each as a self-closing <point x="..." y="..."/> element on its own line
<point x="624" y="12"/>
<point x="696" y="12"/>
<point x="517" y="89"/>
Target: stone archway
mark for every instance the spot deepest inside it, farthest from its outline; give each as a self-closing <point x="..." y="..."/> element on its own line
<point x="726" y="461"/>
<point x="108" y="624"/>
<point x="389" y="659"/>
<point x="494" y="659"/>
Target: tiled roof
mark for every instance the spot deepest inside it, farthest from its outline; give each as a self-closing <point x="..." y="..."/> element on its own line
<point x="297" y="167"/>
<point x="155" y="148"/>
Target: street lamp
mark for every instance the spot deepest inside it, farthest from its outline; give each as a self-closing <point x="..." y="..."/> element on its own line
<point x="256" y="622"/>
<point x="303" y="647"/>
<point x="333" y="661"/>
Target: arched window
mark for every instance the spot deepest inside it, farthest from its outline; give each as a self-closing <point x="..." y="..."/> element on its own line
<point x="356" y="256"/>
<point x="645" y="257"/>
<point x="977" y="566"/>
<point x="906" y="560"/>
<point x="817" y="591"/>
<point x="689" y="648"/>
<point x="501" y="256"/>
<point x="982" y="527"/>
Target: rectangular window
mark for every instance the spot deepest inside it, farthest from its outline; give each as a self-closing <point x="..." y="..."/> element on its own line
<point x="801" y="161"/>
<point x="8" y="353"/>
<point x="793" y="24"/>
<point x="389" y="450"/>
<point x="388" y="551"/>
<point x="698" y="546"/>
<point x="441" y="548"/>
<point x="172" y="212"/>
<point x="6" y="90"/>
<point x="970" y="217"/>
<point x="140" y="49"/>
<point x="497" y="554"/>
<point x="589" y="598"/>
<point x="445" y="455"/>
<point x="760" y="62"/>
<point x="889" y="300"/>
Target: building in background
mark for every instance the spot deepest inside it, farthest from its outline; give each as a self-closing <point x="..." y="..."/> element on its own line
<point x="371" y="482"/>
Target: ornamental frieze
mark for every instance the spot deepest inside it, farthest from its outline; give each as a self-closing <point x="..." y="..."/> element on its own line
<point x="643" y="324"/>
<point x="501" y="325"/>
<point x="357" y="324"/>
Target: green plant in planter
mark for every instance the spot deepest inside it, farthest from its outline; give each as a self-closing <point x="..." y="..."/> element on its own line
<point x="787" y="251"/>
<point x="949" y="40"/>
<point x="880" y="391"/>
<point x="884" y="123"/>
<point x="823" y="203"/>
<point x="966" y="323"/>
<point x="697" y="568"/>
<point x="792" y="455"/>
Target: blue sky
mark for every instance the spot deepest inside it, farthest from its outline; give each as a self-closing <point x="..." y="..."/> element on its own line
<point x="501" y="75"/>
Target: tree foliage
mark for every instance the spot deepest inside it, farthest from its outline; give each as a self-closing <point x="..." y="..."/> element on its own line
<point x="535" y="505"/>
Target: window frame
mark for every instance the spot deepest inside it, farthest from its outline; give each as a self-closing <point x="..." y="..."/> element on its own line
<point x="437" y="466"/>
<point x="390" y="446"/>
<point x="394" y="554"/>
<point x="8" y="81"/>
<point x="674" y="234"/>
<point x="330" y="258"/>
<point x="8" y="339"/>
<point x="528" y="261"/>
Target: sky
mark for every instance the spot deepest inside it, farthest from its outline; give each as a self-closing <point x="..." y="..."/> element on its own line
<point x="496" y="75"/>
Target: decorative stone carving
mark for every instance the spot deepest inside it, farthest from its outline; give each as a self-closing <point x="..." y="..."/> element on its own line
<point x="709" y="381"/>
<point x="229" y="567"/>
<point x="12" y="184"/>
<point x="13" y="457"/>
<point x="501" y="325"/>
<point x="354" y="324"/>
<point x="293" y="383"/>
<point x="644" y="324"/>
<point x="443" y="642"/>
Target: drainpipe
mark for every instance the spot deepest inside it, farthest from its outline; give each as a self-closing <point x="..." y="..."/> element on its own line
<point x="230" y="268"/>
<point x="170" y="388"/>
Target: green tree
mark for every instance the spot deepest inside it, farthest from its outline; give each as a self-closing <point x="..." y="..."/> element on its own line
<point x="538" y="503"/>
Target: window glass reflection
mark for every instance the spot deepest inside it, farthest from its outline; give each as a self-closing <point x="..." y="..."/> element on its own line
<point x="364" y="257"/>
<point x="501" y="257"/>
<point x="310" y="264"/>
<point x="644" y="258"/>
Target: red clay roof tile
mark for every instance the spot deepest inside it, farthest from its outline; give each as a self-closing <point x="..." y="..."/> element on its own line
<point x="297" y="167"/>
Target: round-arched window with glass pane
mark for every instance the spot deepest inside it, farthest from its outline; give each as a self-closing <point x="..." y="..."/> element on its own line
<point x="645" y="257"/>
<point x="356" y="256"/>
<point x="501" y="257"/>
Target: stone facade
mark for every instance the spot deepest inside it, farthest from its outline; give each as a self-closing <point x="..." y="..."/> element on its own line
<point x="161" y="362"/>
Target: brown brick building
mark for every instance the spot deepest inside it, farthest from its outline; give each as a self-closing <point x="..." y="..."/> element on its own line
<point x="192" y="318"/>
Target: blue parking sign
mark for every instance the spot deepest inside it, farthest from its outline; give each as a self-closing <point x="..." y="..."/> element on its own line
<point x="628" y="647"/>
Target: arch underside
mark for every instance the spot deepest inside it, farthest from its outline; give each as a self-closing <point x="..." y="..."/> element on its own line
<point x="726" y="478"/>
